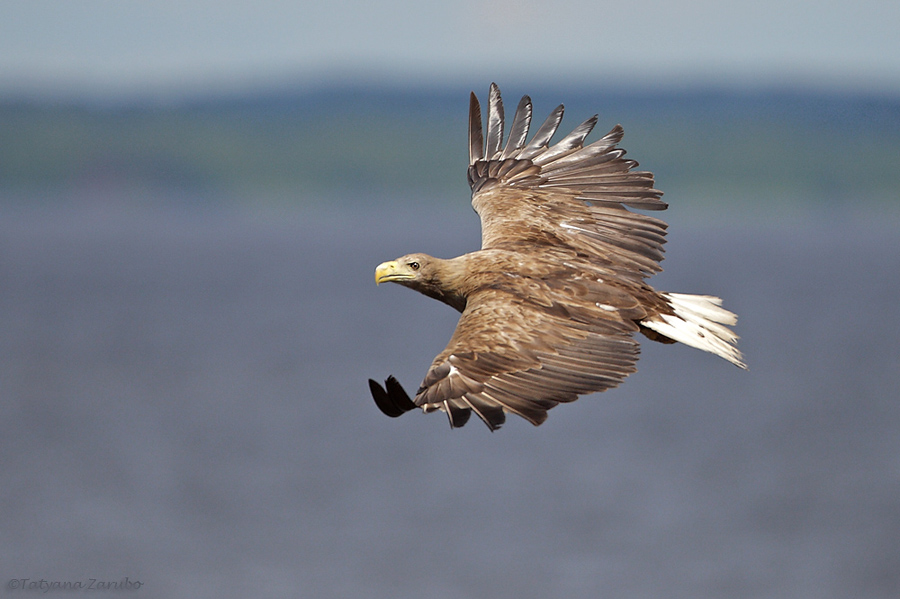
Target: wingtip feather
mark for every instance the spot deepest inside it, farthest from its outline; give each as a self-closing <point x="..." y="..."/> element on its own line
<point x="476" y="136"/>
<point x="391" y="399"/>
<point x="495" y="123"/>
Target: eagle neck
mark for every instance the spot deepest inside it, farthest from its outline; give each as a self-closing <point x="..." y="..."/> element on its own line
<point x="448" y="283"/>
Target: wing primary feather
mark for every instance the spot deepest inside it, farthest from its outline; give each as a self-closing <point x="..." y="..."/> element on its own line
<point x="476" y="137"/>
<point x="391" y="399"/>
<point x="382" y="400"/>
<point x="571" y="142"/>
<point x="519" y="130"/>
<point x="492" y="416"/>
<point x="495" y="123"/>
<point x="449" y="413"/>
<point x="542" y="138"/>
<point x="534" y="412"/>
<point x="456" y="415"/>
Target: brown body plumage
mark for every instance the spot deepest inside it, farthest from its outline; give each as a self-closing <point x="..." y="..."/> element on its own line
<point x="552" y="300"/>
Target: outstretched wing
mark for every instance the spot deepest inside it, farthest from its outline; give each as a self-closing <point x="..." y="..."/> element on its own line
<point x="567" y="194"/>
<point x="510" y="355"/>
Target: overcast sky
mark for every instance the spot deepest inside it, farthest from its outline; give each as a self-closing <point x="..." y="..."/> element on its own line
<point x="176" y="46"/>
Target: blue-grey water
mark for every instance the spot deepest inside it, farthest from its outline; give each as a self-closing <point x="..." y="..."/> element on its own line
<point x="184" y="403"/>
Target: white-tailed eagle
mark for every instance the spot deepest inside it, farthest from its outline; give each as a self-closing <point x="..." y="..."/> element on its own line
<point x="552" y="300"/>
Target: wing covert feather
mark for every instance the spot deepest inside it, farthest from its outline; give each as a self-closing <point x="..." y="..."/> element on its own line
<point x="509" y="356"/>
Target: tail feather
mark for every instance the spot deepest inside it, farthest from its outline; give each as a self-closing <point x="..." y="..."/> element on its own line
<point x="699" y="321"/>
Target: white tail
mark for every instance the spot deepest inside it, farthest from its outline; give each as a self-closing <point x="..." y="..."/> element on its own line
<point x="699" y="321"/>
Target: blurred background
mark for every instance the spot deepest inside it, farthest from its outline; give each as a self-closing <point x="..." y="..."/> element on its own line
<point x="193" y="198"/>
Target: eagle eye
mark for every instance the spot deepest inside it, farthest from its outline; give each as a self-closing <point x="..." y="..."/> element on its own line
<point x="414" y="265"/>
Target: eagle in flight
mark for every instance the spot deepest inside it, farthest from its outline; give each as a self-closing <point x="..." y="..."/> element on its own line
<point x="552" y="300"/>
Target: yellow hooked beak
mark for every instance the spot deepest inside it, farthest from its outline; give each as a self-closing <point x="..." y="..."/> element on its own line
<point x="391" y="271"/>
